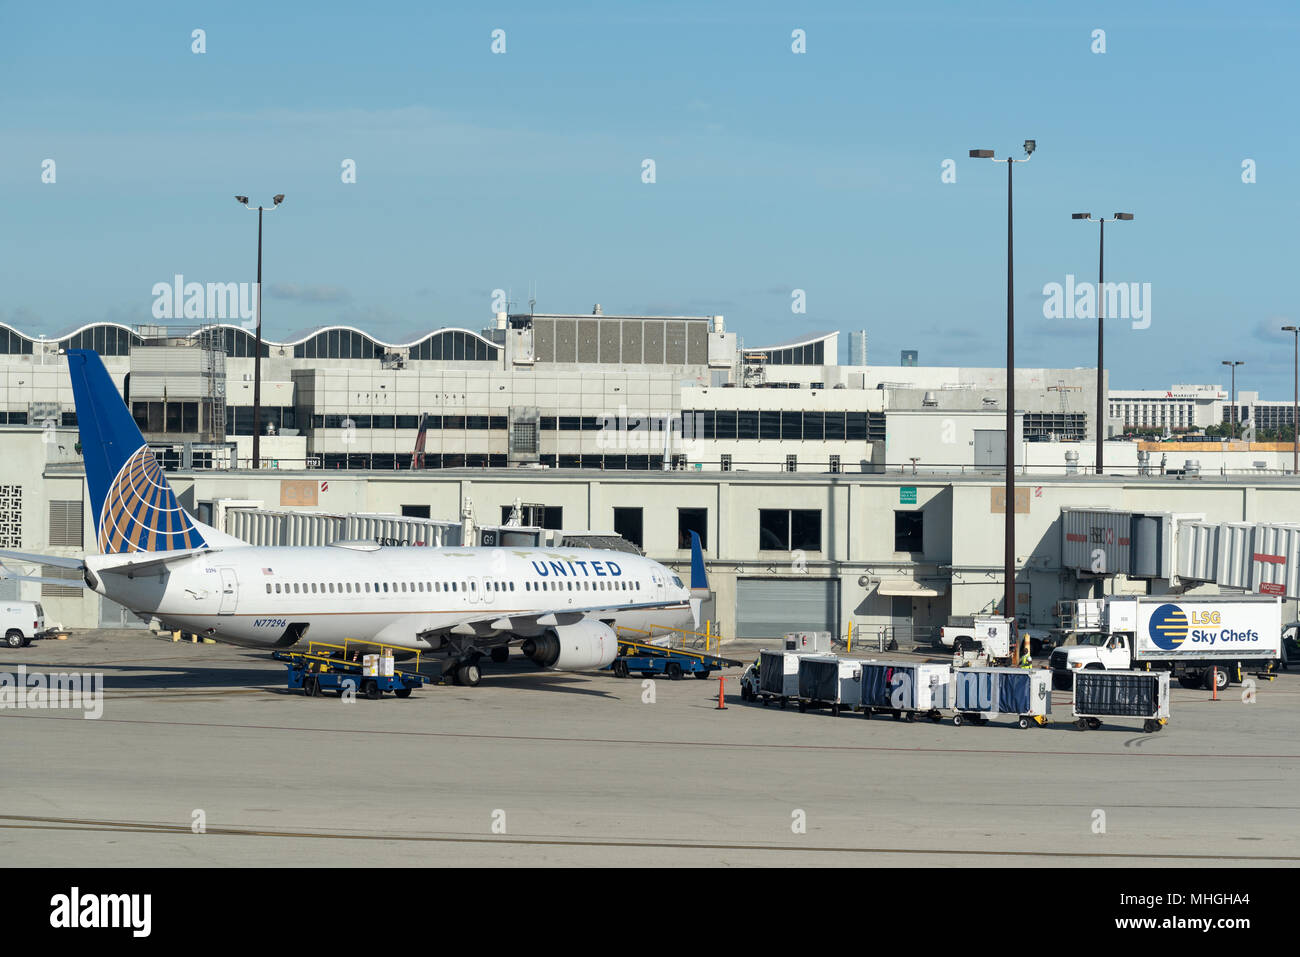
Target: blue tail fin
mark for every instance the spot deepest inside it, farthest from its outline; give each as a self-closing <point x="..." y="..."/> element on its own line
<point x="134" y="507"/>
<point x="699" y="580"/>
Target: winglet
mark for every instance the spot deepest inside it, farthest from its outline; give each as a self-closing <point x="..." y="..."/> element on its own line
<point x="699" y="579"/>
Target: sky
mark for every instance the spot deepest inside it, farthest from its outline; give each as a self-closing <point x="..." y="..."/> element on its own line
<point x="779" y="176"/>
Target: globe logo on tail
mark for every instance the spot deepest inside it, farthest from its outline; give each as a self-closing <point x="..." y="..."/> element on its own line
<point x="140" y="511"/>
<point x="1168" y="628"/>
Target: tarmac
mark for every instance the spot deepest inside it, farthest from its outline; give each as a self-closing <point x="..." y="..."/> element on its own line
<point x="202" y="757"/>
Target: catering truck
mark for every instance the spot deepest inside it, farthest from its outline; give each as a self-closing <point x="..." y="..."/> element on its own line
<point x="1202" y="641"/>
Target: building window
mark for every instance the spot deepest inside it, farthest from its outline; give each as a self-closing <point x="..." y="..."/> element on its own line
<point x="746" y="424"/>
<point x="692" y="520"/>
<point x="523" y="438"/>
<point x="724" y="424"/>
<point x="908" y="527"/>
<point x="628" y="523"/>
<point x="415" y="511"/>
<point x="785" y="529"/>
<point x="535" y="516"/>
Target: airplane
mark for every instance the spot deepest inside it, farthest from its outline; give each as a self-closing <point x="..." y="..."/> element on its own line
<point x="562" y="606"/>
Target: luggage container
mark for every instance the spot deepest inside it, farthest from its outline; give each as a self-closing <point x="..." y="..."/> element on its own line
<point x="828" y="681"/>
<point x="1121" y="694"/>
<point x="906" y="689"/>
<point x="778" y="676"/>
<point x="983" y="693"/>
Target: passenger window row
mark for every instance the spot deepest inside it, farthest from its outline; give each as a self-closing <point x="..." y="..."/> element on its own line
<point x="349" y="588"/>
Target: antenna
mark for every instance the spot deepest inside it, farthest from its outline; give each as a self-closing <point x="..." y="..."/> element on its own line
<point x="532" y="296"/>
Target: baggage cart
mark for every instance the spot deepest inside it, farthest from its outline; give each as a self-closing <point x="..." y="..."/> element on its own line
<point x="906" y="689"/>
<point x="1121" y="694"/>
<point x="778" y="676"/>
<point x="983" y="693"/>
<point x="827" y="681"/>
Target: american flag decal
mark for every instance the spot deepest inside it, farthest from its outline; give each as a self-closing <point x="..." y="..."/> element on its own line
<point x="140" y="512"/>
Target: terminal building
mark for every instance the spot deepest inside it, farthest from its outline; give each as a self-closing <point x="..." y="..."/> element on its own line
<point x="825" y="494"/>
<point x="556" y="391"/>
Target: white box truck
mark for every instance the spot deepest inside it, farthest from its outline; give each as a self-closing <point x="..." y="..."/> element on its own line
<point x="1201" y="641"/>
<point x="20" y="622"/>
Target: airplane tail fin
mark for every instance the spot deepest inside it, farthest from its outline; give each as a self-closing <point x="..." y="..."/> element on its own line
<point x="135" y="509"/>
<point x="699" y="578"/>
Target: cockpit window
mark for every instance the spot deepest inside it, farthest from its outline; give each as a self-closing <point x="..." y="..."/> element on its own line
<point x="678" y="582"/>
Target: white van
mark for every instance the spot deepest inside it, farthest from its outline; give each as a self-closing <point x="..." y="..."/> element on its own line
<point x="20" y="622"/>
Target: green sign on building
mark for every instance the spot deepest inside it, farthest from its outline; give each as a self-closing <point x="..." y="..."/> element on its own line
<point x="907" y="495"/>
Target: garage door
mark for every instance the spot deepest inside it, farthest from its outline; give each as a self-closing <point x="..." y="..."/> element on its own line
<point x="772" y="607"/>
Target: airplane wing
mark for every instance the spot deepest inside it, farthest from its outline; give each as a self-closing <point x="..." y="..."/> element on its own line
<point x="56" y="561"/>
<point x="486" y="625"/>
<point x="5" y="574"/>
<point x="129" y="564"/>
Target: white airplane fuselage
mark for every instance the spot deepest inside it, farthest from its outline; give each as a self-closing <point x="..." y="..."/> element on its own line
<point x="255" y="596"/>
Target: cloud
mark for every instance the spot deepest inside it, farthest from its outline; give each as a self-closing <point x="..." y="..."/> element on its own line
<point x="1270" y="330"/>
<point x="1063" y="329"/>
<point x="308" y="293"/>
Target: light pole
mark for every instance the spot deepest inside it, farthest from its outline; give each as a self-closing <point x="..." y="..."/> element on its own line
<point x="1233" y="367"/>
<point x="1295" y="401"/>
<point x="1009" y="535"/>
<point x="1101" y="314"/>
<point x="276" y="200"/>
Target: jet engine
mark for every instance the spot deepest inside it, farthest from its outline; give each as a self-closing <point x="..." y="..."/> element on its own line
<point x="577" y="647"/>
